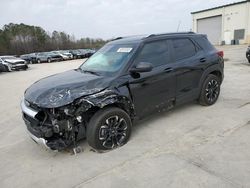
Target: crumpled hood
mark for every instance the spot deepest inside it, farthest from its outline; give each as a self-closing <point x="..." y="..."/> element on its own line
<point x="62" y="89"/>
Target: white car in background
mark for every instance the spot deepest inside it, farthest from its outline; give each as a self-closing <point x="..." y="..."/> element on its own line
<point x="11" y="63"/>
<point x="63" y="56"/>
<point x="67" y="53"/>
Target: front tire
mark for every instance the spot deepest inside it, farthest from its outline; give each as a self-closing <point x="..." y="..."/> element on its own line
<point x="7" y="68"/>
<point x="109" y="128"/>
<point x="49" y="60"/>
<point x="210" y="90"/>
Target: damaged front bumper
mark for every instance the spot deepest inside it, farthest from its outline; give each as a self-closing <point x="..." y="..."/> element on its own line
<point x="40" y="141"/>
<point x="59" y="128"/>
<point x="55" y="128"/>
<point x="32" y="114"/>
<point x="29" y="111"/>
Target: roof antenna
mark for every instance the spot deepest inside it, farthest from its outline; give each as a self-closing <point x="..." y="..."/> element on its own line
<point x="179" y="26"/>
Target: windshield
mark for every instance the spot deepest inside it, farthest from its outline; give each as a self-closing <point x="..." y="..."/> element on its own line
<point x="109" y="59"/>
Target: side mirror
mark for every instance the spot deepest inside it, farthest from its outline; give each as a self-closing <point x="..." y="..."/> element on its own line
<point x="142" y="67"/>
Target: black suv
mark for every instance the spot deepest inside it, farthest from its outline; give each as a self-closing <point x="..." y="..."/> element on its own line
<point x="248" y="54"/>
<point x="126" y="80"/>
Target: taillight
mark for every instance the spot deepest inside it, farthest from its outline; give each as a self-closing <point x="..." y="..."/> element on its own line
<point x="220" y="53"/>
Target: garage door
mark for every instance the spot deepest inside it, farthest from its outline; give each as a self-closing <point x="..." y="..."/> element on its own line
<point x="211" y="27"/>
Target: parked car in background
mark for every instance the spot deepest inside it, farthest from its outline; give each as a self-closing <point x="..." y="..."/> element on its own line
<point x="76" y="54"/>
<point x="126" y="80"/>
<point x="63" y="57"/>
<point x="47" y="57"/>
<point x="30" y="58"/>
<point x="248" y="54"/>
<point x="84" y="53"/>
<point x="90" y="52"/>
<point x="43" y="57"/>
<point x="67" y="53"/>
<point x="11" y="63"/>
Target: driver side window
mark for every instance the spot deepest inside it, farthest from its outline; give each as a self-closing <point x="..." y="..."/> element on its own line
<point x="156" y="53"/>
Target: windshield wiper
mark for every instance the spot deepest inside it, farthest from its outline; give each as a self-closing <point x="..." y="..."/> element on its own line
<point x="91" y="72"/>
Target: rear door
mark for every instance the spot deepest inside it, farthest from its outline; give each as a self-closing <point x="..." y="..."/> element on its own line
<point x="190" y="61"/>
<point x="156" y="89"/>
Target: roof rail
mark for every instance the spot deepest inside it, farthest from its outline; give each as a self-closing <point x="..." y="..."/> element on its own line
<point x="176" y="33"/>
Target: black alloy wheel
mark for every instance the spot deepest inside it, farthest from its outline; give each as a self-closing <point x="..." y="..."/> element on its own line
<point x="210" y="90"/>
<point x="248" y="57"/>
<point x="108" y="129"/>
<point x="113" y="132"/>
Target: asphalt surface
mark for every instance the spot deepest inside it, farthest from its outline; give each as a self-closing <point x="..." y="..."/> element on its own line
<point x="190" y="146"/>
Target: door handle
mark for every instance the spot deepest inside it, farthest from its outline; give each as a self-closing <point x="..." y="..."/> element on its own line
<point x="167" y="70"/>
<point x="203" y="60"/>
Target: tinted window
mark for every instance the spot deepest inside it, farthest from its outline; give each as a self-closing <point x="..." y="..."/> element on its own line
<point x="204" y="43"/>
<point x="184" y="48"/>
<point x="156" y="53"/>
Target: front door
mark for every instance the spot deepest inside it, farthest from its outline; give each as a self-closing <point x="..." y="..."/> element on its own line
<point x="154" y="89"/>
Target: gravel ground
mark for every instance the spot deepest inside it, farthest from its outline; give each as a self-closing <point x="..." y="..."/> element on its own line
<point x="190" y="146"/>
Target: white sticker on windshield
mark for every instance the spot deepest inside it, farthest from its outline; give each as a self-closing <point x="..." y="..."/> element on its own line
<point x="124" y="50"/>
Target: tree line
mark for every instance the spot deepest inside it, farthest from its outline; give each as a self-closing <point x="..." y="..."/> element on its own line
<point x="17" y="39"/>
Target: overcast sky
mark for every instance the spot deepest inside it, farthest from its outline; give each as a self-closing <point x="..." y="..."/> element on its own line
<point x="105" y="18"/>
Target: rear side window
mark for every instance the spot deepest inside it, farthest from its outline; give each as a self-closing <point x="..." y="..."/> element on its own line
<point x="204" y="43"/>
<point x="183" y="48"/>
<point x="156" y="53"/>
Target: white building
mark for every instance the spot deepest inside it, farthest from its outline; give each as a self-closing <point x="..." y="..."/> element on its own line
<point x="228" y="24"/>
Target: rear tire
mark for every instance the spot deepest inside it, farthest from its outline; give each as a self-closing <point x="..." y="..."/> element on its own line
<point x="108" y="129"/>
<point x="210" y="90"/>
<point x="38" y="61"/>
<point x="49" y="60"/>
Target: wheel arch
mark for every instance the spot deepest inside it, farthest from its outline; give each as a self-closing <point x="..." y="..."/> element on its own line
<point x="217" y="73"/>
<point x="107" y="100"/>
<point x="215" y="70"/>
